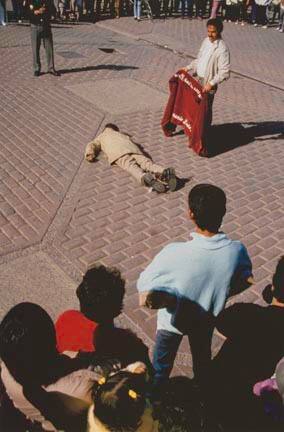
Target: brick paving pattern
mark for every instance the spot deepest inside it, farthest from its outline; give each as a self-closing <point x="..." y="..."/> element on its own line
<point x="80" y="213"/>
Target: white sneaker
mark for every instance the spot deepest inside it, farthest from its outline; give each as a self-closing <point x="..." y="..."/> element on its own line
<point x="242" y="23"/>
<point x="281" y="31"/>
<point x="255" y="25"/>
<point x="264" y="26"/>
<point x="3" y="23"/>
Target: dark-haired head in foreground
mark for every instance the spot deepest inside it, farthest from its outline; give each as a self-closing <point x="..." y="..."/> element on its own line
<point x="120" y="401"/>
<point x="27" y="341"/>
<point x="101" y="294"/>
<point x="207" y="207"/>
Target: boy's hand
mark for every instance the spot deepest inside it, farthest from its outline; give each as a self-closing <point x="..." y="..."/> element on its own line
<point x="143" y="298"/>
<point x="160" y="300"/>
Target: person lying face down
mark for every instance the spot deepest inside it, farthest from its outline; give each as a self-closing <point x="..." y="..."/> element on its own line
<point x="120" y="403"/>
<point x="121" y="151"/>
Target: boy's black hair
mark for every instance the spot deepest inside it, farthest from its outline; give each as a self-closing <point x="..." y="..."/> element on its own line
<point x="27" y="340"/>
<point x="101" y="294"/>
<point x="217" y="23"/>
<point x="278" y="281"/>
<point x="112" y="126"/>
<point x="208" y="205"/>
<point x="120" y="402"/>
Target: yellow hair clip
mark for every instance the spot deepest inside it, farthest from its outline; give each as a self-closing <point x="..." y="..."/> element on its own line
<point x="132" y="394"/>
<point x="102" y="381"/>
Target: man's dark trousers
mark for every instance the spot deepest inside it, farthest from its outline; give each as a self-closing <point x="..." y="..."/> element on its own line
<point x="41" y="32"/>
<point x="166" y="347"/>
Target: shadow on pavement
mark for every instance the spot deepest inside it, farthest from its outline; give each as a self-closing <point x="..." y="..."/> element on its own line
<point x="98" y="67"/>
<point x="181" y="182"/>
<point x="229" y="136"/>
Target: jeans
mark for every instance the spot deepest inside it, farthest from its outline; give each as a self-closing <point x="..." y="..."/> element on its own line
<point x="2" y="12"/>
<point x="186" y="5"/>
<point x="166" y="347"/>
<point x="137" y="8"/>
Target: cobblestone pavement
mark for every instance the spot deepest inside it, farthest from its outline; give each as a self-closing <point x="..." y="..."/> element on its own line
<point x="55" y="208"/>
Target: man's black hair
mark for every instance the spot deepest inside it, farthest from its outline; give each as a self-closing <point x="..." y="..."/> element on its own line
<point x="27" y="339"/>
<point x="179" y="407"/>
<point x="101" y="294"/>
<point x="278" y="281"/>
<point x="217" y="23"/>
<point x="208" y="205"/>
<point x="112" y="126"/>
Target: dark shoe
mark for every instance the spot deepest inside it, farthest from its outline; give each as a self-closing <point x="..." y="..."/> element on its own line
<point x="169" y="176"/>
<point x="54" y="73"/>
<point x="36" y="73"/>
<point x="149" y="180"/>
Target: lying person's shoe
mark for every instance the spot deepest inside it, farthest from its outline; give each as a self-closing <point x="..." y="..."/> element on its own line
<point x="169" y="176"/>
<point x="160" y="300"/>
<point x="149" y="180"/>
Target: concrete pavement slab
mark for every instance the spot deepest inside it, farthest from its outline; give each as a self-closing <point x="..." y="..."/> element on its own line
<point x="120" y="96"/>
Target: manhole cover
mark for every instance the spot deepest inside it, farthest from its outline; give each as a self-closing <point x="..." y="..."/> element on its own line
<point x="107" y="50"/>
<point x="70" y="54"/>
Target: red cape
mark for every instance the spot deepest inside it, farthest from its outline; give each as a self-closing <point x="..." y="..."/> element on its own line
<point x="187" y="107"/>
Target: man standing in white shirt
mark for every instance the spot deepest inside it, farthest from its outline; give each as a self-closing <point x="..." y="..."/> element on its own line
<point x="212" y="65"/>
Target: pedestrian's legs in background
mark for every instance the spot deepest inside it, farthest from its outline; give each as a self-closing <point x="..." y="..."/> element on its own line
<point x="165" y="350"/>
<point x="117" y="8"/>
<point x="189" y="8"/>
<point x="261" y="15"/>
<point x="236" y="13"/>
<point x="281" y="20"/>
<point x="48" y="45"/>
<point x="137" y="9"/>
<point x="36" y="35"/>
<point x="200" y="6"/>
<point x="215" y="8"/>
<point x="98" y="9"/>
<point x="243" y="12"/>
<point x="253" y="12"/>
<point x="276" y="11"/>
<point x="2" y="13"/>
<point x="147" y="165"/>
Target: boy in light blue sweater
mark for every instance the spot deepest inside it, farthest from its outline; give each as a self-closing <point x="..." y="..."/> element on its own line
<point x="198" y="273"/>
